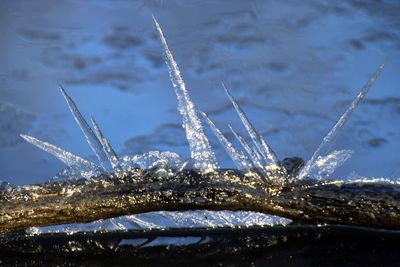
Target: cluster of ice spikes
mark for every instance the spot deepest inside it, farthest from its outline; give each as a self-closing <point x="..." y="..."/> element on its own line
<point x="257" y="156"/>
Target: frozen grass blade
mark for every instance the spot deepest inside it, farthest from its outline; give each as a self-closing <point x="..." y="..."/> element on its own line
<point x="200" y="149"/>
<point x="240" y="160"/>
<point x="66" y="157"/>
<point x="262" y="146"/>
<point x="329" y="139"/>
<point x="112" y="156"/>
<point x="91" y="138"/>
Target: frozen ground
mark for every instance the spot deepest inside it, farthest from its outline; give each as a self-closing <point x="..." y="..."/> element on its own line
<point x="293" y="66"/>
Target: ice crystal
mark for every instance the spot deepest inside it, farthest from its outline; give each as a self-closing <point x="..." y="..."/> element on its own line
<point x="152" y="159"/>
<point x="68" y="158"/>
<point x="325" y="166"/>
<point x="329" y="139"/>
<point x="200" y="148"/>
<point x="91" y="138"/>
<point x="5" y="186"/>
<point x="254" y="156"/>
<point x="241" y="161"/>
<point x="262" y="146"/>
<point x="76" y="173"/>
<point x="112" y="156"/>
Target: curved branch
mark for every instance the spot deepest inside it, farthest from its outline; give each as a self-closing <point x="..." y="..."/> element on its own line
<point x="373" y="205"/>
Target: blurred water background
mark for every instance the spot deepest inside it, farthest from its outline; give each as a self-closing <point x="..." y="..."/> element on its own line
<point x="294" y="66"/>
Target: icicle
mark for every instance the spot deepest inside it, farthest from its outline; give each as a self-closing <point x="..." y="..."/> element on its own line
<point x="254" y="156"/>
<point x="328" y="140"/>
<point x="267" y="153"/>
<point x="240" y="160"/>
<point x="112" y="156"/>
<point x="200" y="148"/>
<point x="91" y="138"/>
<point x="66" y="157"/>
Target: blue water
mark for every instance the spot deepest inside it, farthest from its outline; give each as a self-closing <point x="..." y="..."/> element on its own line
<point x="293" y="67"/>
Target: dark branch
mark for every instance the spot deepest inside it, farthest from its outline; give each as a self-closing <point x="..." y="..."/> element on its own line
<point x="372" y="205"/>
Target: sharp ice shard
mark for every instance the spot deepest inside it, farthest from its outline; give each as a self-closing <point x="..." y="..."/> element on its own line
<point x="262" y="146"/>
<point x="66" y="157"/>
<point x="240" y="160"/>
<point x="200" y="149"/>
<point x="91" y="138"/>
<point x="112" y="156"/>
<point x="329" y="139"/>
<point x="254" y="155"/>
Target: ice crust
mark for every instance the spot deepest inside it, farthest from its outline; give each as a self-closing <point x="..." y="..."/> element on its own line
<point x="325" y="166"/>
<point x="169" y="220"/>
